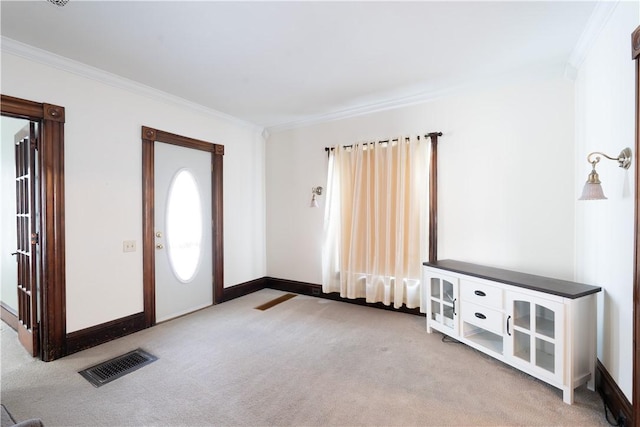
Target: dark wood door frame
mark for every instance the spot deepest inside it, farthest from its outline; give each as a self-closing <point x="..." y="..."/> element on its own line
<point x="149" y="137"/>
<point x="635" y="53"/>
<point x="53" y="319"/>
<point x="433" y="197"/>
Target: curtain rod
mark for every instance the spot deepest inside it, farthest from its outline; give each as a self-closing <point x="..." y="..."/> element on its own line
<point x="386" y="141"/>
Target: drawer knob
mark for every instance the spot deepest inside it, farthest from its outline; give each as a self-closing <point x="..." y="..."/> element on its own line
<point x="480" y="293"/>
<point x="480" y="316"/>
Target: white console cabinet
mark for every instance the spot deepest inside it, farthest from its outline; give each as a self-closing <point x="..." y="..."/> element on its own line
<point x="542" y="326"/>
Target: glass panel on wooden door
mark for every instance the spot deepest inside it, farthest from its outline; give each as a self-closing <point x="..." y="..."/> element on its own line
<point x="184" y="225"/>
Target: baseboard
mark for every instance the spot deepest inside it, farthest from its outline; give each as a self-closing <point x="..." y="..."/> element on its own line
<point x="618" y="404"/>
<point x="294" y="286"/>
<point x="100" y="334"/>
<point x="9" y="316"/>
<point x="316" y="291"/>
<point x="242" y="289"/>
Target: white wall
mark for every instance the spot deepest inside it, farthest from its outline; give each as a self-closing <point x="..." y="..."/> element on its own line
<point x="103" y="185"/>
<point x="8" y="265"/>
<point x="506" y="179"/>
<point x="605" y="109"/>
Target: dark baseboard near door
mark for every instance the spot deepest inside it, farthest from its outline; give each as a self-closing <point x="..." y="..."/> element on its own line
<point x="100" y="334"/>
<point x="294" y="286"/>
<point x="9" y="316"/>
<point x="620" y="410"/>
<point x="316" y="291"/>
<point x="242" y="289"/>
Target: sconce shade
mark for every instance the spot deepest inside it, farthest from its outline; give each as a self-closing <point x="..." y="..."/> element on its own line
<point x="592" y="192"/>
<point x="314" y="202"/>
<point x="592" y="188"/>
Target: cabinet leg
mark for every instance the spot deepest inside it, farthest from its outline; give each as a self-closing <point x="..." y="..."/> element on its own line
<point x="567" y="395"/>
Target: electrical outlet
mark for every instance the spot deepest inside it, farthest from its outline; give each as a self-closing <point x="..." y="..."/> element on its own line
<point x="129" y="246"/>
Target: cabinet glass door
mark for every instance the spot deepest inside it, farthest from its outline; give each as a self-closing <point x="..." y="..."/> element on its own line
<point x="522" y="330"/>
<point x="535" y="334"/>
<point x="442" y="299"/>
<point x="545" y="342"/>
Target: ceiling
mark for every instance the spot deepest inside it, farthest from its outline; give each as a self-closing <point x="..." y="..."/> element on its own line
<point x="275" y="64"/>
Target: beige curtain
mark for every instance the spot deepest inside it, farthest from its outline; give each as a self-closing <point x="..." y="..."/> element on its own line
<point x="375" y="231"/>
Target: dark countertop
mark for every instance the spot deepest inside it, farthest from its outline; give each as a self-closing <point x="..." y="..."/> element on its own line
<point x="547" y="285"/>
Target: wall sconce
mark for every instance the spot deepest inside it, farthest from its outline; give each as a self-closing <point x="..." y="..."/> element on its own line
<point x="592" y="189"/>
<point x="315" y="191"/>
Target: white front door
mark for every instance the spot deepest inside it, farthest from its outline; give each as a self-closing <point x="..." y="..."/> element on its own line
<point x="183" y="266"/>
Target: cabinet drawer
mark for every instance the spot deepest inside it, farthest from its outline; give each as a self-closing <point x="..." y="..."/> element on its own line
<point x="486" y="318"/>
<point x="479" y="293"/>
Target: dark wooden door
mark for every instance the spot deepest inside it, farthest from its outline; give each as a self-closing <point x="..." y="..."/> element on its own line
<point x="28" y="237"/>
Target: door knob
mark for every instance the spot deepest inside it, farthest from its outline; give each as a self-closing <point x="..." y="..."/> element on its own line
<point x="159" y="246"/>
<point x="158" y="233"/>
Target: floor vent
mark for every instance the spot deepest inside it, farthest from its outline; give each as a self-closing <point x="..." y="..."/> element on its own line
<point x="276" y="301"/>
<point x="117" y="367"/>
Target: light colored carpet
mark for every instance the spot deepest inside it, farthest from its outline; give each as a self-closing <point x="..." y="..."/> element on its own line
<point x="304" y="362"/>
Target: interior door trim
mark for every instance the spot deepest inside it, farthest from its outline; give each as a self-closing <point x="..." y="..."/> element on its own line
<point x="149" y="137"/>
<point x="53" y="319"/>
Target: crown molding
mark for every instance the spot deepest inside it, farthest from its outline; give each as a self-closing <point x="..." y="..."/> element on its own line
<point x="44" y="57"/>
<point x="361" y="110"/>
<point x="451" y="88"/>
<point x="598" y="19"/>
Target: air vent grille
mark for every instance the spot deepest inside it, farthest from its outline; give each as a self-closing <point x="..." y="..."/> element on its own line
<point x="117" y="367"/>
